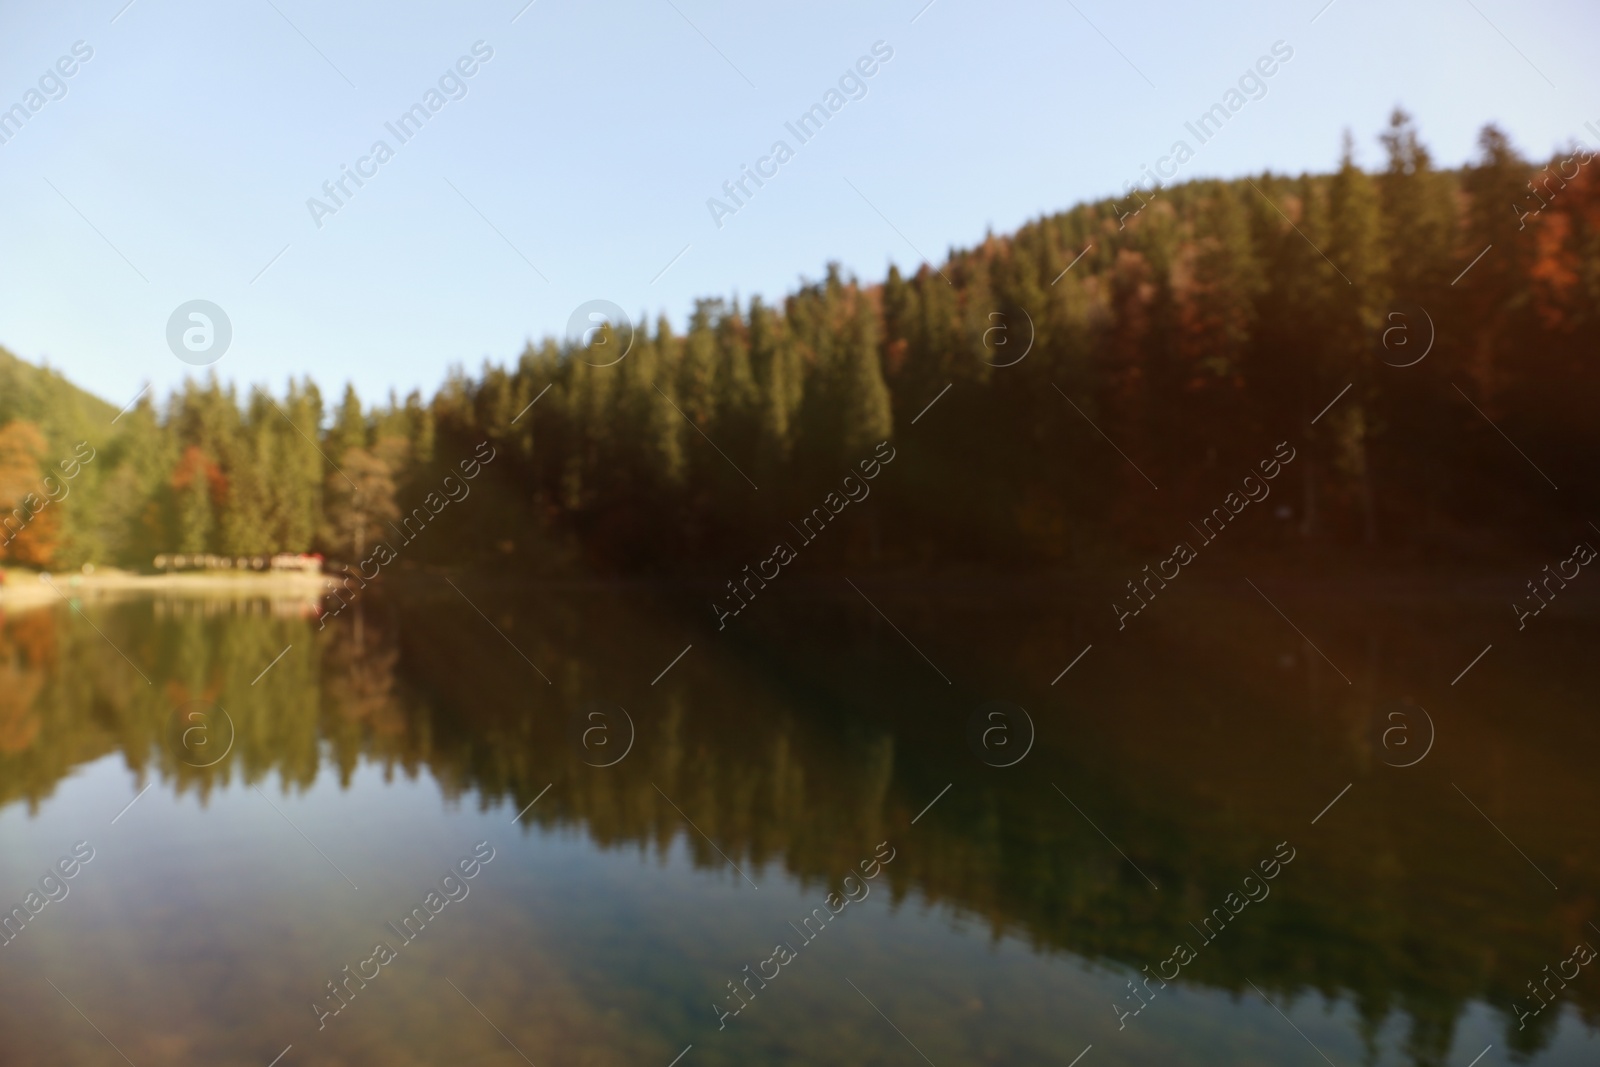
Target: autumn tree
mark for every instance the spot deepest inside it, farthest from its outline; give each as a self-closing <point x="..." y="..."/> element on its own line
<point x="29" y="523"/>
<point x="198" y="486"/>
<point x="360" y="495"/>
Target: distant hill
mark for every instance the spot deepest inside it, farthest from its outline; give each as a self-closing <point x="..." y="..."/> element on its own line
<point x="64" y="412"/>
<point x="72" y="422"/>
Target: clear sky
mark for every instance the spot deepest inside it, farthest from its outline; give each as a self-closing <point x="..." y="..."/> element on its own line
<point x="579" y="162"/>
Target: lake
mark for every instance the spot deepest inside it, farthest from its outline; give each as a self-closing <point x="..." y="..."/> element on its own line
<point x="885" y="821"/>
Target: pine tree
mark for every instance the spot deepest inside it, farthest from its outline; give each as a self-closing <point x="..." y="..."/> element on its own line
<point x="1356" y="243"/>
<point x="350" y="428"/>
<point x="196" y="484"/>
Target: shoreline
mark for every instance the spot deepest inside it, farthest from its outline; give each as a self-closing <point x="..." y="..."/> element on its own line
<point x="23" y="590"/>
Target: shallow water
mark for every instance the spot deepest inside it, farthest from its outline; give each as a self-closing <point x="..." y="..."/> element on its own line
<point x="272" y="841"/>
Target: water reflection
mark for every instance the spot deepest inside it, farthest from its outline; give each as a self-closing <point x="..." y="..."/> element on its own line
<point x="792" y="755"/>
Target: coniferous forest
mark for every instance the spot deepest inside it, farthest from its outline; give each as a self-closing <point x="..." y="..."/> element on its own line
<point x="1170" y="338"/>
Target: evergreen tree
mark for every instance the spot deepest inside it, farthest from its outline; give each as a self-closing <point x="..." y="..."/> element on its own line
<point x="195" y="484"/>
<point x="350" y="428"/>
<point x="1356" y="244"/>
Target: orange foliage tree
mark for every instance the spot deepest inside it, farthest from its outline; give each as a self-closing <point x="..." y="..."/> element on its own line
<point x="29" y="528"/>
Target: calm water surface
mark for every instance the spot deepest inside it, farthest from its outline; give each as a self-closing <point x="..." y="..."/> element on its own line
<point x="282" y="825"/>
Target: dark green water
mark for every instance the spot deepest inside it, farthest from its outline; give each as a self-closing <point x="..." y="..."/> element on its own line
<point x="309" y="807"/>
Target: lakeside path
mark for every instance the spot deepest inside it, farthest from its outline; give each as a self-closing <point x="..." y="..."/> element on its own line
<point x="23" y="590"/>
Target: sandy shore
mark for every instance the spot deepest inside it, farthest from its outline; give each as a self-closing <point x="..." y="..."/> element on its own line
<point x="26" y="589"/>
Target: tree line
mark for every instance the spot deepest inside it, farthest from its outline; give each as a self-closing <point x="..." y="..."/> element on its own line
<point x="1420" y="336"/>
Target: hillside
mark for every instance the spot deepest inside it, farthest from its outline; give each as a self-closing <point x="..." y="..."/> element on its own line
<point x="1408" y="352"/>
<point x="41" y="395"/>
<point x="51" y="432"/>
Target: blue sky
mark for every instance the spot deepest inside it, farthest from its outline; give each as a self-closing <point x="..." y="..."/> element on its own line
<point x="179" y="162"/>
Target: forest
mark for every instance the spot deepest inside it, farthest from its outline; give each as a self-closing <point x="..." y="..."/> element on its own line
<point x="1418" y="335"/>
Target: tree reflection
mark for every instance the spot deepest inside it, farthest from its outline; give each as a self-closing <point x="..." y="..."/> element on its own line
<point x="780" y="771"/>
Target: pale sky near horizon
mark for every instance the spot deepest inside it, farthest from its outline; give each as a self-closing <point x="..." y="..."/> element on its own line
<point x="578" y="165"/>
